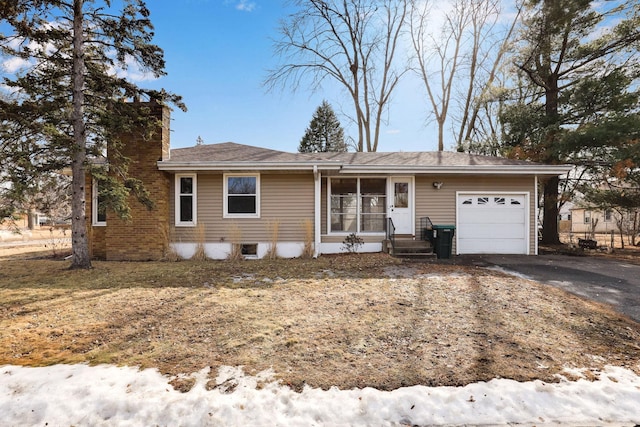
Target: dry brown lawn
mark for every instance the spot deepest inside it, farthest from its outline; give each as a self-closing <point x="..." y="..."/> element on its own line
<point x="346" y="321"/>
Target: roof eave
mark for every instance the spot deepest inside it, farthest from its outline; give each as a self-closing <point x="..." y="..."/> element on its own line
<point x="550" y="170"/>
<point x="239" y="166"/>
<point x="461" y="170"/>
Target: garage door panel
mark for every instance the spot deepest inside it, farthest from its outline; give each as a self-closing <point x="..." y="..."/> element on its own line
<point x="492" y="217"/>
<point x="497" y="231"/>
<point x="497" y="246"/>
<point x="492" y="223"/>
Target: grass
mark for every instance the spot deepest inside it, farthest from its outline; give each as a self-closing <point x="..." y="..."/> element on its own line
<point x="346" y="321"/>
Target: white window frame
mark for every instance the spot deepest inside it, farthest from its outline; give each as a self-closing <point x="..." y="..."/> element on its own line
<point x="358" y="207"/>
<point x="194" y="201"/>
<point x="94" y="206"/>
<point x="587" y="217"/>
<point x="608" y="215"/>
<point x="225" y="200"/>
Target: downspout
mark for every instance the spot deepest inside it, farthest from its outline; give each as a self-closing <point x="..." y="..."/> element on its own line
<point x="317" y="208"/>
<point x="535" y="219"/>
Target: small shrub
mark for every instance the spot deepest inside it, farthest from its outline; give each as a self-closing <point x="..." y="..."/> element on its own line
<point x="352" y="243"/>
<point x="236" y="243"/>
<point x="170" y="254"/>
<point x="57" y="241"/>
<point x="274" y="231"/>
<point x="200" y="238"/>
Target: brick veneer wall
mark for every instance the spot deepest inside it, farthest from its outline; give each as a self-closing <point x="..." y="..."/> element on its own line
<point x="144" y="236"/>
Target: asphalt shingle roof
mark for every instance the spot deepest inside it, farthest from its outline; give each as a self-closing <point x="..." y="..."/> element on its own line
<point x="232" y="152"/>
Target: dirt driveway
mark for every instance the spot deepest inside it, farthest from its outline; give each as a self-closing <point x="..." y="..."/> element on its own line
<point x="604" y="280"/>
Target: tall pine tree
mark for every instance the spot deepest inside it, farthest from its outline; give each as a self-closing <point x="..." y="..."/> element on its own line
<point x="69" y="95"/>
<point x="324" y="134"/>
<point x="582" y="69"/>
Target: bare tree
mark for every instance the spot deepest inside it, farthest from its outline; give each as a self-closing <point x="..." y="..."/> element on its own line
<point x="352" y="42"/>
<point x="462" y="55"/>
<point x="485" y="65"/>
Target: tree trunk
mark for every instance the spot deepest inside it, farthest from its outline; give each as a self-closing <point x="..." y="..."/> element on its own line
<point x="634" y="232"/>
<point x="79" y="237"/>
<point x="551" y="210"/>
<point x="31" y="219"/>
<point x="550" y="234"/>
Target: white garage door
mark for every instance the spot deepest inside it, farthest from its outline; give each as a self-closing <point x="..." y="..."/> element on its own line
<point x="492" y="223"/>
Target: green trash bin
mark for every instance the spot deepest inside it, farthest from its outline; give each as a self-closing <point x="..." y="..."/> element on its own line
<point x="443" y="240"/>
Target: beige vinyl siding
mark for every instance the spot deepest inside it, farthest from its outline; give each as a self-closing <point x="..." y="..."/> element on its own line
<point x="284" y="198"/>
<point x="440" y="205"/>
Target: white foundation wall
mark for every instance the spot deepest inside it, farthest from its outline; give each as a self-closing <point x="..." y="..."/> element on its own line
<point x="222" y="250"/>
<point x="338" y="248"/>
<point x="285" y="250"/>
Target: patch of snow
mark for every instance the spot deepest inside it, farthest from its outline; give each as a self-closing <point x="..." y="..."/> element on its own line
<point x="122" y="396"/>
<point x="509" y="272"/>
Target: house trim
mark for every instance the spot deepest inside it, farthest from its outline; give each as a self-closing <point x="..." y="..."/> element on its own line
<point x="317" y="211"/>
<point x="245" y="166"/>
<point x="455" y="170"/>
<point x="345" y="168"/>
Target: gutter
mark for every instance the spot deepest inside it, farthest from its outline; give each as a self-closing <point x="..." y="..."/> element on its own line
<point x="460" y="170"/>
<point x="243" y="166"/>
<point x="317" y="208"/>
<point x="368" y="169"/>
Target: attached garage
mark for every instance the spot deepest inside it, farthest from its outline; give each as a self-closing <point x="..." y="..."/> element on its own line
<point x="492" y="223"/>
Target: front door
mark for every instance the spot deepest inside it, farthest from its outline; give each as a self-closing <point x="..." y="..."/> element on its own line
<point x="401" y="204"/>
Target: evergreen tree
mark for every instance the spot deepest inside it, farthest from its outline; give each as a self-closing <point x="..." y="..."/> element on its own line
<point x="324" y="134"/>
<point x="69" y="97"/>
<point x="583" y="74"/>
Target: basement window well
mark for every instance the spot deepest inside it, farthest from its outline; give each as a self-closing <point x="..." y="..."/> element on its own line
<point x="249" y="249"/>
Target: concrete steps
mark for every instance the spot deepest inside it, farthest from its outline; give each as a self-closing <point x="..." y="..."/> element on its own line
<point x="410" y="248"/>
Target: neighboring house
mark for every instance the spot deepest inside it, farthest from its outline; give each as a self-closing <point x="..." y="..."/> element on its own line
<point x="21" y="221"/>
<point x="564" y="217"/>
<point x="222" y="194"/>
<point x="586" y="220"/>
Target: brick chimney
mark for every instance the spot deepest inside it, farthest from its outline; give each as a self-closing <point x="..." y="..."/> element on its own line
<point x="144" y="236"/>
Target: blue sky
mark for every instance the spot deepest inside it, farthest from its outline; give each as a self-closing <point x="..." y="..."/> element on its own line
<point x="218" y="53"/>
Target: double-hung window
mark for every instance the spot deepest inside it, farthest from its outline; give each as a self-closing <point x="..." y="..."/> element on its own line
<point x="98" y="208"/>
<point x="242" y="195"/>
<point x="186" y="203"/>
<point x="608" y="215"/>
<point x="358" y="205"/>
